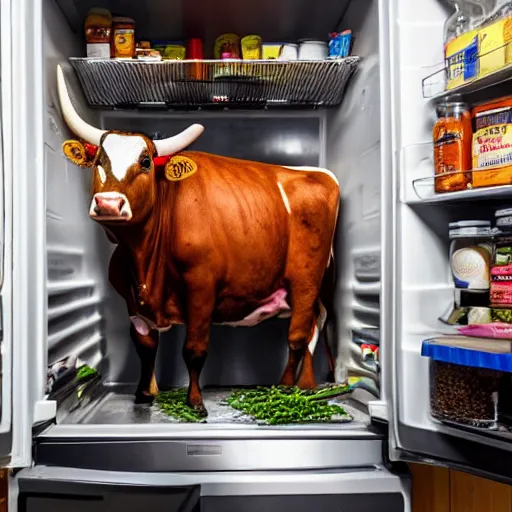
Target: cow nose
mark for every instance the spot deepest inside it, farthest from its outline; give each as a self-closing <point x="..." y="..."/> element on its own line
<point x="108" y="206"/>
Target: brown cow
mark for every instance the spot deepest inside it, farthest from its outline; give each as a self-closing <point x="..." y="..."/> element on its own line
<point x="207" y="239"/>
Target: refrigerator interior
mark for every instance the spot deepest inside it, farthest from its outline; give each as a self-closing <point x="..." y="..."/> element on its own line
<point x="85" y="315"/>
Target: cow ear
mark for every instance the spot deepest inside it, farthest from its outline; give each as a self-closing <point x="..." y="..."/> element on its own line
<point x="77" y="153"/>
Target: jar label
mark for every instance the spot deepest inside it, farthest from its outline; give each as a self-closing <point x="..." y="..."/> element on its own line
<point x="124" y="42"/>
<point x="462" y="59"/>
<point x="470" y="267"/>
<point x="492" y="139"/>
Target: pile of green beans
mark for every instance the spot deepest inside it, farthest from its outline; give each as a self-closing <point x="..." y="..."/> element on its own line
<point x="174" y="403"/>
<point x="279" y="405"/>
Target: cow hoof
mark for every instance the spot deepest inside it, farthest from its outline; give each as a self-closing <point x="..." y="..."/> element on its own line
<point x="142" y="398"/>
<point x="200" y="409"/>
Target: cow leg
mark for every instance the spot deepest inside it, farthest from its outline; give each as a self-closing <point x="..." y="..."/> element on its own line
<point x="146" y="347"/>
<point x="200" y="305"/>
<point x="300" y="333"/>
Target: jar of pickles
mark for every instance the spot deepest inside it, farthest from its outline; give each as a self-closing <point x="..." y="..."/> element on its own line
<point x="452" y="147"/>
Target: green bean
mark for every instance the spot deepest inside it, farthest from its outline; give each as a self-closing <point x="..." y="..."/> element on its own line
<point x="173" y="403"/>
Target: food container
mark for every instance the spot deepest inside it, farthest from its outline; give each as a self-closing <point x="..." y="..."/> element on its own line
<point x="470" y="260"/>
<point x="170" y="50"/>
<point x="227" y="43"/>
<point x="123" y="38"/>
<point x="461" y="56"/>
<point x="452" y="147"/>
<point x="98" y="28"/>
<point x="339" y="44"/>
<point x="289" y="51"/>
<point x="313" y="50"/>
<point x="495" y="50"/>
<point x="501" y="271"/>
<point x="251" y="47"/>
<point x="195" y="49"/>
<point x="492" y="143"/>
<point x="465" y="380"/>
<point x="271" y="51"/>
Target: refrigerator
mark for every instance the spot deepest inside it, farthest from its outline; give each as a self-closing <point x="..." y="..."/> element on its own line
<point x="392" y="260"/>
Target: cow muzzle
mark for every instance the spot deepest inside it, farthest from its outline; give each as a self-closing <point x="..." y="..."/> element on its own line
<point x="110" y="206"/>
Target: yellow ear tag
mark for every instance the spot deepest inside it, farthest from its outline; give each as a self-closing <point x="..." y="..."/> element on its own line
<point x="179" y="167"/>
<point x="75" y="151"/>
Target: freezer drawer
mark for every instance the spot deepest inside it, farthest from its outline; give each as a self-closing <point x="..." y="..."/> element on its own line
<point x="200" y="449"/>
<point x="58" y="489"/>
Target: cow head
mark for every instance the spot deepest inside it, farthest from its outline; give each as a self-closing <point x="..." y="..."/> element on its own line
<point x="124" y="165"/>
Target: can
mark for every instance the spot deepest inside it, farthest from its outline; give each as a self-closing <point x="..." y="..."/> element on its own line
<point x="195" y="49"/>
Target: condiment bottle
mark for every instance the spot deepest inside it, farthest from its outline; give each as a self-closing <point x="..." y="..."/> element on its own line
<point x="123" y="38"/>
<point x="452" y="147"/>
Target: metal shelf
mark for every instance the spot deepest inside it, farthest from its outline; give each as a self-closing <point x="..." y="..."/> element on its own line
<point x="112" y="83"/>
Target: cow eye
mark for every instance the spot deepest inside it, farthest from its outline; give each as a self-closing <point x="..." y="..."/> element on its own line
<point x="146" y="163"/>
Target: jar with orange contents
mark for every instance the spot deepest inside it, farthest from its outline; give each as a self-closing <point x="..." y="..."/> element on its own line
<point x="123" y="38"/>
<point x="452" y="147"/>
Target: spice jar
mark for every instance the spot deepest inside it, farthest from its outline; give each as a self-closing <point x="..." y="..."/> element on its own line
<point x="470" y="259"/>
<point x="452" y="147"/>
<point x="123" y="38"/>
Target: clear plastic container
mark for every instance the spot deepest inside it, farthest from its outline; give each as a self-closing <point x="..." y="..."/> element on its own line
<point x="471" y="250"/>
<point x="463" y="394"/>
<point x="465" y="383"/>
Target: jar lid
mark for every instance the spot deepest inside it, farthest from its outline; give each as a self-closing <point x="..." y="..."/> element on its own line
<point x="123" y="19"/>
<point x="470" y="224"/>
<point x="503" y="212"/>
<point x="469" y="228"/>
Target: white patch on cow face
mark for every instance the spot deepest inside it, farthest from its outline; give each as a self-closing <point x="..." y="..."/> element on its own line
<point x="102" y="173"/>
<point x="285" y="198"/>
<point x="123" y="151"/>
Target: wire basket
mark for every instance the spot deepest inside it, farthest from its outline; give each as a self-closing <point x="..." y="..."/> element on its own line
<point x="196" y="84"/>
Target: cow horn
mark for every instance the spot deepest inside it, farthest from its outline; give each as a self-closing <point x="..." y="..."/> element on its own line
<point x="175" y="144"/>
<point x="76" y="124"/>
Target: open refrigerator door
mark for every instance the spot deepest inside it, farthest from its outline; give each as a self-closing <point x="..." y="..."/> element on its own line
<point x="449" y="331"/>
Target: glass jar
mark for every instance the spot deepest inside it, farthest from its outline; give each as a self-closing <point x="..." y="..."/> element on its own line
<point x="459" y="22"/>
<point x="471" y="250"/>
<point x="123" y="38"/>
<point x="452" y="135"/>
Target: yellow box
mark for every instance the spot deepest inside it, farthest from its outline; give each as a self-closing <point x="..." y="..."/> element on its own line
<point x="495" y="49"/>
<point x="461" y="56"/>
<point x="271" y="50"/>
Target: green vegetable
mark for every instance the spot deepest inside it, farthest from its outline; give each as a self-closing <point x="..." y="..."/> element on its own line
<point x="280" y="405"/>
<point x="501" y="315"/>
<point x="85" y="371"/>
<point x="174" y="403"/>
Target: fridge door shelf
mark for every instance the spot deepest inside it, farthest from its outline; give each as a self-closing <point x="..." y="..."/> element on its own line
<point x="424" y="190"/>
<point x="434" y="86"/>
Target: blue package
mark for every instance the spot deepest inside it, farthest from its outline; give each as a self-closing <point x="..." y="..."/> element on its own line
<point x="339" y="44"/>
